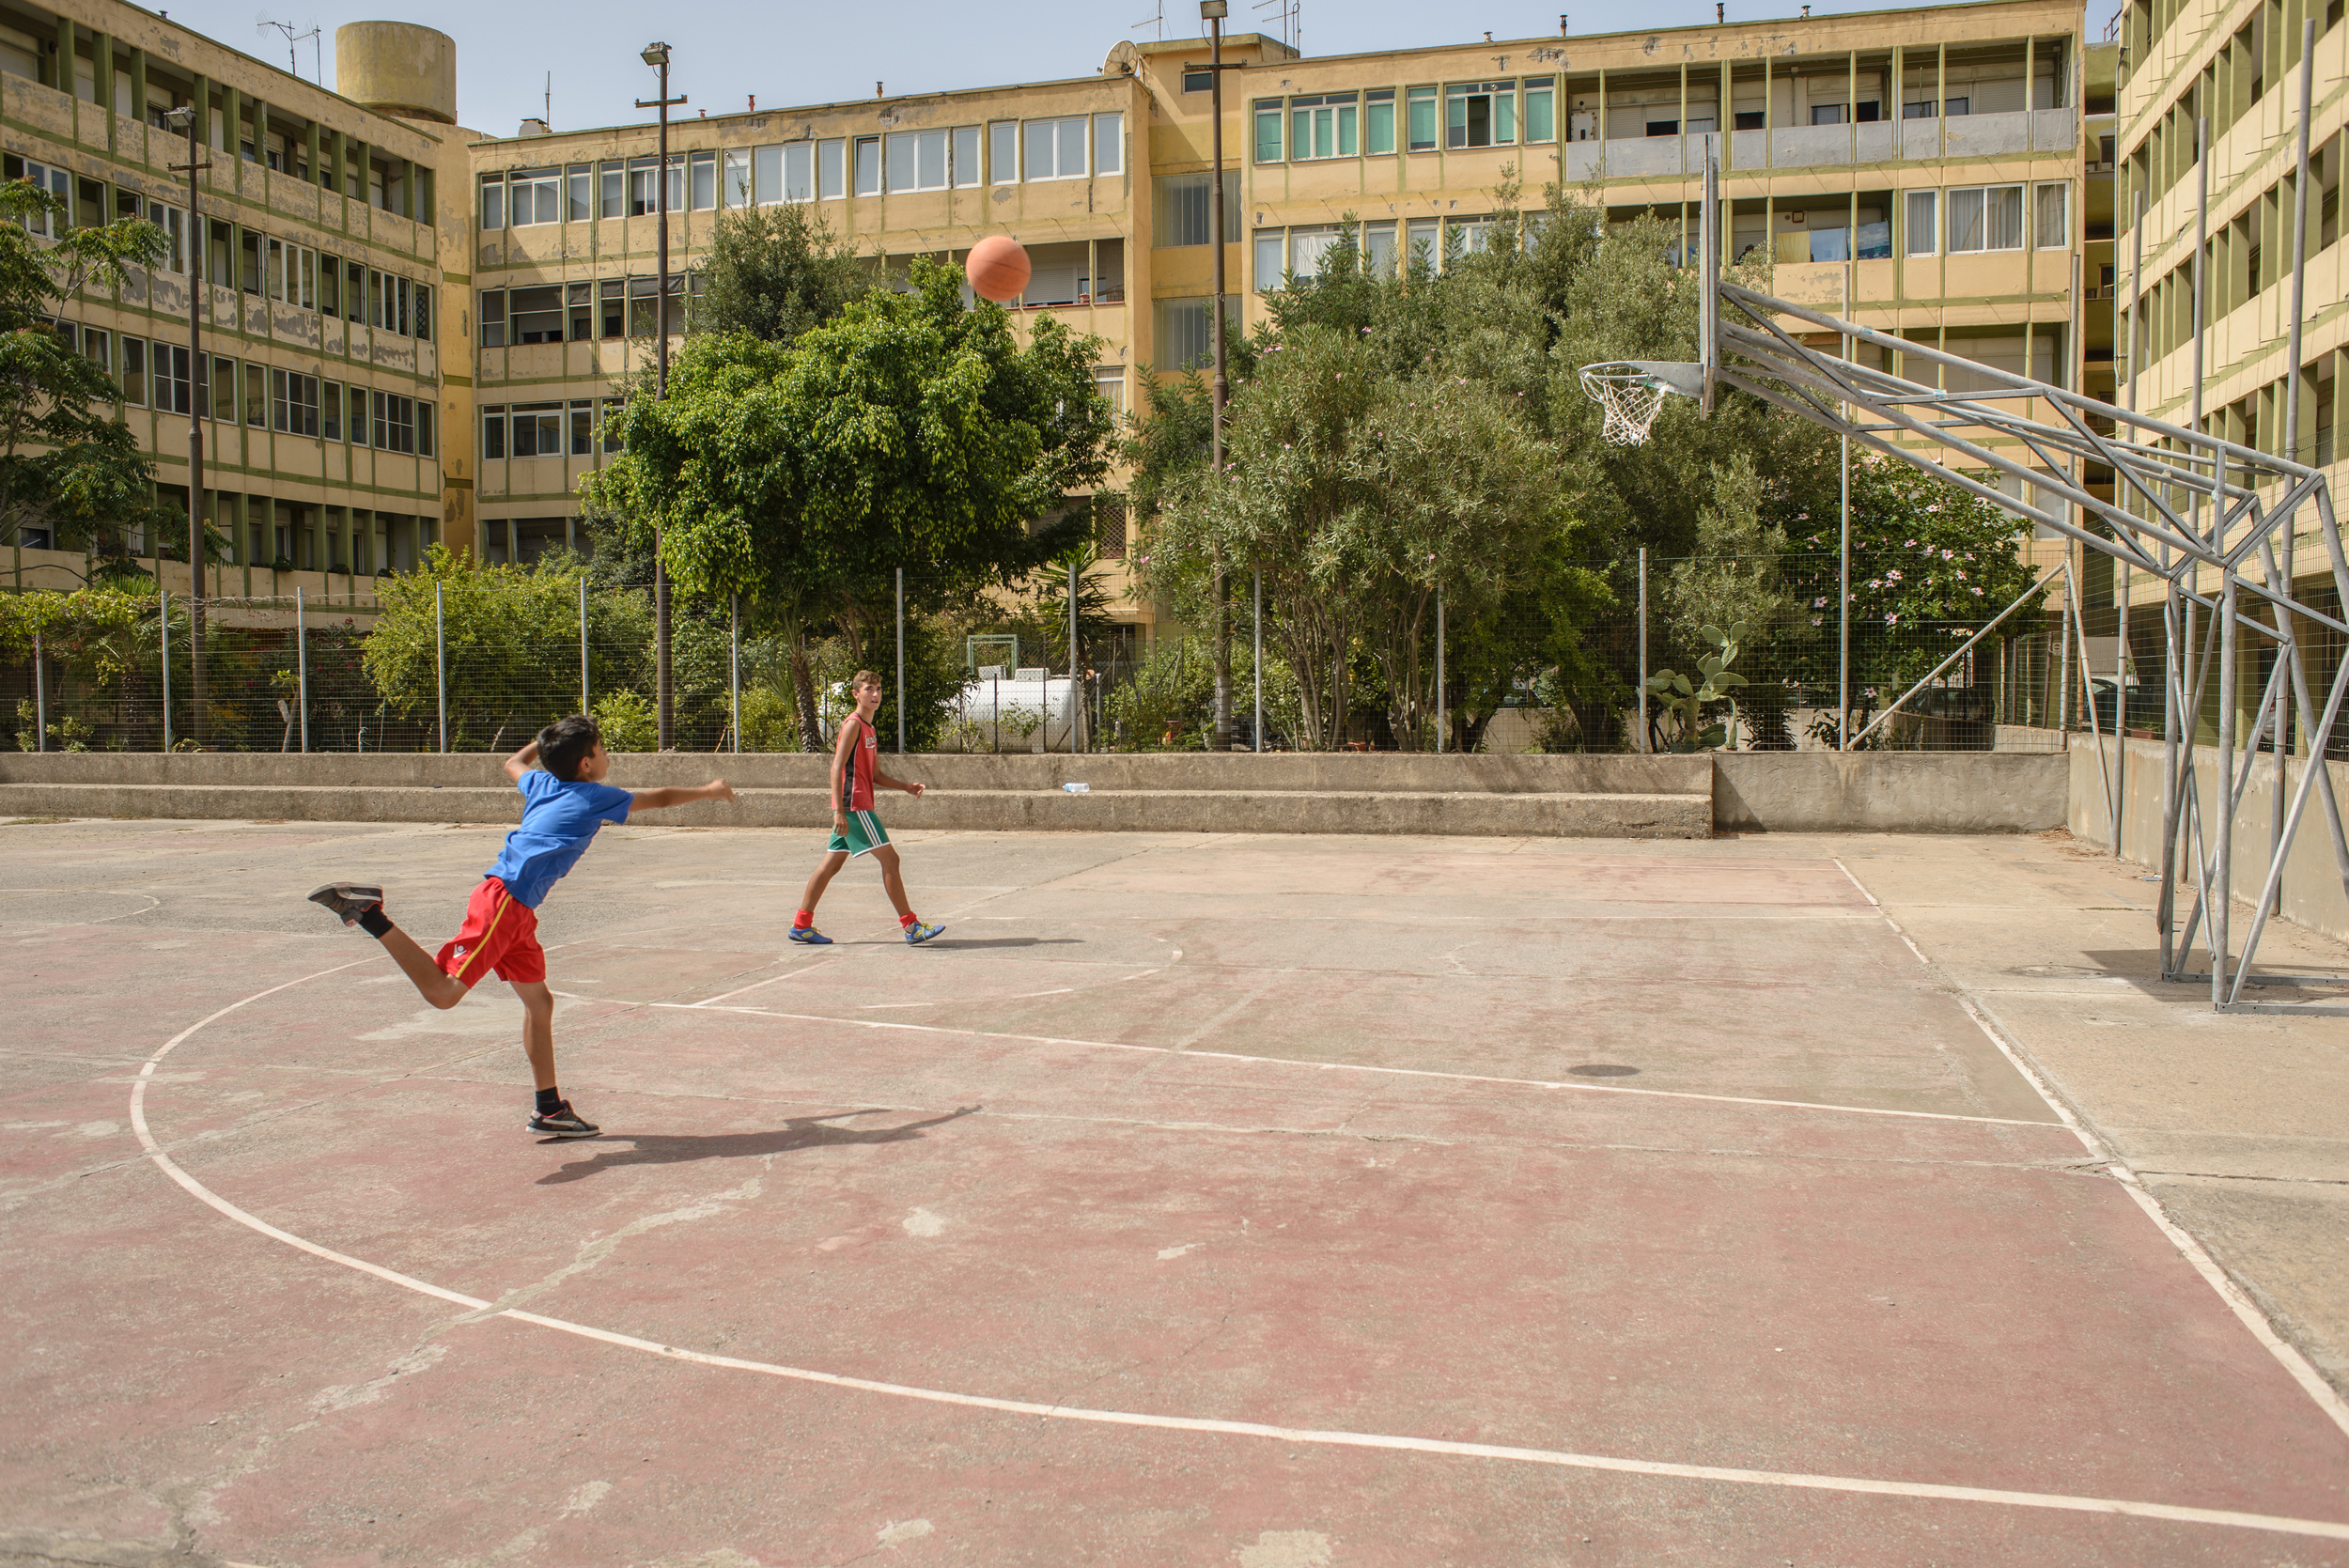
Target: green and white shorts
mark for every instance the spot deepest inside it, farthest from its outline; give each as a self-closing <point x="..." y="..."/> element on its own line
<point x="865" y="834"/>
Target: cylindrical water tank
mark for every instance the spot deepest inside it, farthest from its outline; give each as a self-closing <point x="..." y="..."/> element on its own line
<point x="398" y="69"/>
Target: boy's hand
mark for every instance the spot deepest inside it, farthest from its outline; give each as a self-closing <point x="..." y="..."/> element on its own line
<point x="914" y="790"/>
<point x="718" y="789"/>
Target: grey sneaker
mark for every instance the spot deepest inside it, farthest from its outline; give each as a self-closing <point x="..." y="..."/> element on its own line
<point x="563" y="1121"/>
<point x="347" y="901"/>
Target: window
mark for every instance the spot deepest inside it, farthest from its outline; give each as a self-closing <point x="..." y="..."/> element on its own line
<point x="641" y="295"/>
<point x="583" y="430"/>
<point x="579" y="302"/>
<point x="58" y="184"/>
<point x="1420" y="246"/>
<point x="1663" y="128"/>
<point x="1268" y="130"/>
<point x="766" y="175"/>
<point x="1055" y="149"/>
<point x="493" y="432"/>
<point x="702" y="191"/>
<point x="330" y="410"/>
<point x="171" y="379"/>
<point x="1923" y="239"/>
<point x="969" y="169"/>
<point x="424" y="426"/>
<point x="293" y="402"/>
<point x="1958" y="107"/>
<point x="1183" y="215"/>
<point x="1923" y="109"/>
<point x="1003" y="151"/>
<point x="1750" y="119"/>
<point x="643" y="198"/>
<point x="2050" y="228"/>
<point x="1826" y="113"/>
<point x="1109" y="384"/>
<point x="1185" y="339"/>
<point x="538" y="429"/>
<point x="579" y="197"/>
<point x="534" y="196"/>
<point x="1378" y="121"/>
<point x="1307" y="246"/>
<point x="1541" y="109"/>
<point x="676" y="184"/>
<point x="422" y="320"/>
<point x="915" y="159"/>
<point x="1377" y="242"/>
<point x="611" y="423"/>
<point x="737" y="182"/>
<point x="174" y="223"/>
<point x="1986" y="218"/>
<point x="830" y="158"/>
<point x="1322" y="127"/>
<point x="611" y="190"/>
<point x="611" y="308"/>
<point x="98" y="348"/>
<point x="493" y="201"/>
<point x="256" y="397"/>
<point x="354" y="291"/>
<point x="355" y="410"/>
<point x="494" y="318"/>
<point x="1481" y="114"/>
<point x="1198" y="78"/>
<point x="218" y="388"/>
<point x="868" y="169"/>
<point x="535" y="314"/>
<point x="1420" y="105"/>
<point x="1109" y="143"/>
<point x="796" y="177"/>
<point x="1271" y="261"/>
<point x="134" y="370"/>
<point x="395" y="423"/>
<point x="249" y="262"/>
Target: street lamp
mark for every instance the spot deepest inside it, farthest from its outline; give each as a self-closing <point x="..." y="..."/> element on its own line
<point x="184" y="120"/>
<point x="1213" y="12"/>
<point x="657" y="56"/>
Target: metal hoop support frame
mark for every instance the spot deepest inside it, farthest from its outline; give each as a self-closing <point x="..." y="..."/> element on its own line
<point x="1632" y="391"/>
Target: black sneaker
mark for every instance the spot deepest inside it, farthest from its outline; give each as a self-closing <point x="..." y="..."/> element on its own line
<point x="563" y="1121"/>
<point x="348" y="900"/>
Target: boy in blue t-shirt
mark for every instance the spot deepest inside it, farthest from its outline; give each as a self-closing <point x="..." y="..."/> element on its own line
<point x="565" y="802"/>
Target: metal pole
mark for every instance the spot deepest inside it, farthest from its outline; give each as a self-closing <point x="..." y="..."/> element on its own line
<point x="1258" y="622"/>
<point x="164" y="596"/>
<point x="1075" y="669"/>
<point x="584" y="704"/>
<point x="657" y="56"/>
<point x="41" y="698"/>
<point x="2063" y="665"/>
<point x="198" y="239"/>
<point x="2292" y="412"/>
<point x="1642" y="739"/>
<point x="1439" y="713"/>
<point x="302" y="668"/>
<point x="734" y="668"/>
<point x="2126" y="665"/>
<point x="1213" y="11"/>
<point x="2178" y="614"/>
<point x="2221" y="893"/>
<point x="440" y="657"/>
<point x="1843" y="565"/>
<point x="901" y="662"/>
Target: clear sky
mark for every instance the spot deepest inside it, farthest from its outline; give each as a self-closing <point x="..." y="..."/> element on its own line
<point x="724" y="51"/>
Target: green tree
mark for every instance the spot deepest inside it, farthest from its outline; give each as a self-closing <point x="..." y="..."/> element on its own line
<point x="68" y="464"/>
<point x="774" y="273"/>
<point x="911" y="432"/>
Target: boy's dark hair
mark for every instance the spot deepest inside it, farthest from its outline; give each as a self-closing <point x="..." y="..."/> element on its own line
<point x="565" y="744"/>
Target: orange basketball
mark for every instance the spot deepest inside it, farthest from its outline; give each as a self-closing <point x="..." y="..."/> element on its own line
<point x="997" y="268"/>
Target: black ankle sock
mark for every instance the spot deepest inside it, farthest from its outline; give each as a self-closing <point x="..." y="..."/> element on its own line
<point x="550" y="1101"/>
<point x="374" y="922"/>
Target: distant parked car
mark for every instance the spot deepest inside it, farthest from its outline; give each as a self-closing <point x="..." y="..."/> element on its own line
<point x="1956" y="718"/>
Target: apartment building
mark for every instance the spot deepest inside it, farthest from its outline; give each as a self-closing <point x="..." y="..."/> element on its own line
<point x="316" y="227"/>
<point x="2236" y="66"/>
<point x="1929" y="161"/>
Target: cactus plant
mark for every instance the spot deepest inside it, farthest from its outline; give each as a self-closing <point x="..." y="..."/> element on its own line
<point x="1686" y="699"/>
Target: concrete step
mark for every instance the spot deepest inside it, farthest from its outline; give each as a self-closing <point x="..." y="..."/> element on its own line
<point x="1471" y="812"/>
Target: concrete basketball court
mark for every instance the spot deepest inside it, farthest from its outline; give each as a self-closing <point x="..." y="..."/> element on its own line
<point x="1284" y="1202"/>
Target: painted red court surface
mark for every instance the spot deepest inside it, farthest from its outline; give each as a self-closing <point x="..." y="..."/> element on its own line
<point x="1290" y="1203"/>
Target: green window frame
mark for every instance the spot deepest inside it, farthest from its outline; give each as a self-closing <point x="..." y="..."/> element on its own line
<point x="1322" y="127"/>
<point x="1480" y="113"/>
<point x="1378" y="122"/>
<point x="1268" y="130"/>
<point x="1420" y="107"/>
<point x="1541" y="109"/>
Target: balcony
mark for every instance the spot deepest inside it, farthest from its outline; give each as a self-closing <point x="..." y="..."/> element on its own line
<point x="1675" y="157"/>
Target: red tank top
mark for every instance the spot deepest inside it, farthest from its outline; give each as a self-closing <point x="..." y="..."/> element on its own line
<point x="862" y="756"/>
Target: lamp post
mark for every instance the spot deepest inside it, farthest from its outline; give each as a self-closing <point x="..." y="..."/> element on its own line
<point x="657" y="56"/>
<point x="183" y="118"/>
<point x="1213" y="12"/>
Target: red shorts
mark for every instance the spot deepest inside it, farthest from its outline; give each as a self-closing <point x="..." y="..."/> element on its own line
<point x="499" y="935"/>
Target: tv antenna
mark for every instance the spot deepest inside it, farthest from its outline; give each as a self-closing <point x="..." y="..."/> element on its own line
<point x="1157" y="21"/>
<point x="292" y="38"/>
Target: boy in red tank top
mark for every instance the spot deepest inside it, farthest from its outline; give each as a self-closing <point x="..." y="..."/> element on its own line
<point x="855" y="829"/>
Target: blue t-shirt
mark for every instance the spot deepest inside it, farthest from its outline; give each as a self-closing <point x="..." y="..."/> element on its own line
<point x="559" y="821"/>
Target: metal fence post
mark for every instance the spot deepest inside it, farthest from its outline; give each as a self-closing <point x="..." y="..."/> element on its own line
<point x="1258" y="626"/>
<point x="734" y="668"/>
<point x="583" y="702"/>
<point x="302" y="668"/>
<point x="1439" y="713"/>
<point x="901" y="662"/>
<point x="164" y="599"/>
<point x="440" y="657"/>
<point x="1074" y="675"/>
<point x="1642" y="745"/>
<point x="40" y="699"/>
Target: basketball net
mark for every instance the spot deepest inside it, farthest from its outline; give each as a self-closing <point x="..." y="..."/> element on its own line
<point x="1632" y="403"/>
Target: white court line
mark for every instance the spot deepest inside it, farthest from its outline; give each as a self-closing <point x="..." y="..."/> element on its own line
<point x="1321" y="1067"/>
<point x="2228" y="1518"/>
<point x="2312" y="1382"/>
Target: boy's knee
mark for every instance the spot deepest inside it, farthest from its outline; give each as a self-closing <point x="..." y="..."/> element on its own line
<point x="446" y="996"/>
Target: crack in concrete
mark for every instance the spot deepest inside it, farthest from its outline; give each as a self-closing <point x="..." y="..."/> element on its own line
<point x="590" y="1255"/>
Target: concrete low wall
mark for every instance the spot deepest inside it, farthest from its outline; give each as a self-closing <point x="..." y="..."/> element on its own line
<point x="2314" y="893"/>
<point x="1888" y="792"/>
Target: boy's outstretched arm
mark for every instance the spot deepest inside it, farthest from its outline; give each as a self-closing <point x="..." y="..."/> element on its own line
<point x="653" y="800"/>
<point x="522" y="761"/>
<point x="882" y="781"/>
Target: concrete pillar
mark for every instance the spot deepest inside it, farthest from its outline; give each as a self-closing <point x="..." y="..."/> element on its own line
<point x="102" y="80"/>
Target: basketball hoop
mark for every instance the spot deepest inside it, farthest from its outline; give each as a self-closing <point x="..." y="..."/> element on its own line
<point x="1633" y="391"/>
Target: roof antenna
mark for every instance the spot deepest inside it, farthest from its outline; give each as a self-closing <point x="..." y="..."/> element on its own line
<point x="292" y="38"/>
<point x="549" y="100"/>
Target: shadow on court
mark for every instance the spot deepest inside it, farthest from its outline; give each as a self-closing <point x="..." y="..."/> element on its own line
<point x="1005" y="942"/>
<point x="800" y="1132"/>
